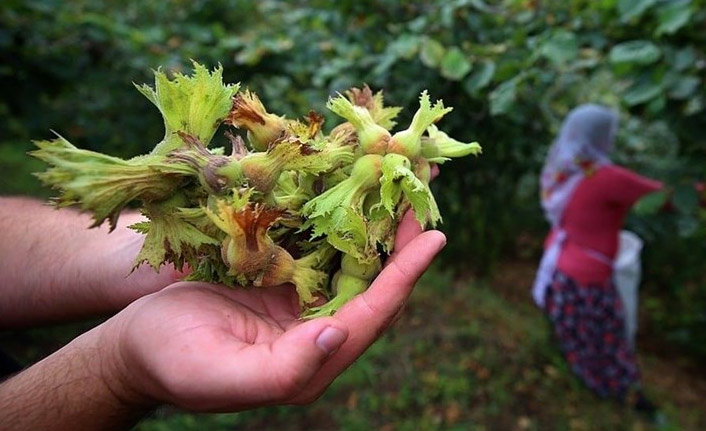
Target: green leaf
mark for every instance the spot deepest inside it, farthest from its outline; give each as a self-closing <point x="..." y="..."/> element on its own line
<point x="642" y="92"/>
<point x="684" y="87"/>
<point x="397" y="180"/>
<point x="422" y="200"/>
<point x="440" y="147"/>
<point x="503" y="97"/>
<point x="103" y="184"/>
<point x="405" y="46"/>
<point x="561" y="48"/>
<point x="632" y="9"/>
<point x="685" y="199"/>
<point x="346" y="231"/>
<point x="673" y="16"/>
<point x="170" y="239"/>
<point x="480" y="78"/>
<point x="636" y="52"/>
<point x="432" y="53"/>
<point x="684" y="59"/>
<point x="193" y="104"/>
<point x="381" y="231"/>
<point x="652" y="203"/>
<point x="455" y="64"/>
<point x="390" y="191"/>
<point x="481" y="6"/>
<point x="656" y="105"/>
<point x="687" y="226"/>
<point x="694" y="105"/>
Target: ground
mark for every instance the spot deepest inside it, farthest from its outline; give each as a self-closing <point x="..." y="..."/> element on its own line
<point x="466" y="355"/>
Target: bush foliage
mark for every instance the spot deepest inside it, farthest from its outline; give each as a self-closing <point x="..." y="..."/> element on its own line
<point x="511" y="69"/>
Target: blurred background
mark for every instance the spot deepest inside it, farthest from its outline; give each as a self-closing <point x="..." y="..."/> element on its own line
<point x="472" y="352"/>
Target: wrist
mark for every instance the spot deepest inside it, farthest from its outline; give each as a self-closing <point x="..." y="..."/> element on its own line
<point x="118" y="376"/>
<point x="79" y="387"/>
<point x="108" y="265"/>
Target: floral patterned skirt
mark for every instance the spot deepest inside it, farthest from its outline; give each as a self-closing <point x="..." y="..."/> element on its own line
<point x="589" y="325"/>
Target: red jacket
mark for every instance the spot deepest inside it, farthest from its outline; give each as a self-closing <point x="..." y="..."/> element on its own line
<point x="593" y="219"/>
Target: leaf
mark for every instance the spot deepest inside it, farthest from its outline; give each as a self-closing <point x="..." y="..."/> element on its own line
<point x="193" y="104"/>
<point x="636" y="52"/>
<point x="398" y="180"/>
<point x="432" y="53"/>
<point x="440" y="147"/>
<point x="684" y="59"/>
<point x="694" y="106"/>
<point x="481" y="6"/>
<point x="103" y="184"/>
<point x="480" y="78"/>
<point x="642" y="92"/>
<point x="348" y="232"/>
<point x="673" y="16"/>
<point x="684" y="87"/>
<point x="170" y="239"/>
<point x="633" y="9"/>
<point x="455" y="64"/>
<point x="687" y="226"/>
<point x="503" y="97"/>
<point x="381" y="231"/>
<point x="422" y="200"/>
<point x="390" y="192"/>
<point x="561" y="48"/>
<point x="405" y="46"/>
<point x="652" y="203"/>
<point x="685" y="199"/>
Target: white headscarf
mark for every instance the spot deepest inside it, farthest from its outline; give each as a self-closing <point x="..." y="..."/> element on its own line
<point x="584" y="144"/>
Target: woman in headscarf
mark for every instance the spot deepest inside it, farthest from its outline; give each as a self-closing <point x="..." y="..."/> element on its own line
<point x="585" y="199"/>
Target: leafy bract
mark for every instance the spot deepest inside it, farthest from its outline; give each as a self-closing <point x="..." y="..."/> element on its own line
<point x="170" y="238"/>
<point x="104" y="185"/>
<point x="294" y="206"/>
<point x="408" y="142"/>
<point x="440" y="148"/>
<point x="374" y="103"/>
<point x="397" y="181"/>
<point x="193" y="104"/>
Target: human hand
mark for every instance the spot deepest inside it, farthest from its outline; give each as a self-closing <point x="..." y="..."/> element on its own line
<point x="110" y="258"/>
<point x="57" y="269"/>
<point x="116" y="254"/>
<point x="435" y="170"/>
<point x="206" y="348"/>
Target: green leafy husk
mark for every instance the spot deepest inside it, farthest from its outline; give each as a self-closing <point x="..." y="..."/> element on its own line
<point x="293" y="205"/>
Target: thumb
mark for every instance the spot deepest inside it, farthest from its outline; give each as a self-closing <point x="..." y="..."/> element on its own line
<point x="300" y="352"/>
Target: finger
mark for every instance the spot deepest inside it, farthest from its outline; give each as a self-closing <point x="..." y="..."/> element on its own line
<point x="368" y="314"/>
<point x="408" y="229"/>
<point x="390" y="289"/>
<point x="295" y="357"/>
<point x="434" y="170"/>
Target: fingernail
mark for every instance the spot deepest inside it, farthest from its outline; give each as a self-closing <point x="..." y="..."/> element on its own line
<point x="330" y="339"/>
<point x="442" y="244"/>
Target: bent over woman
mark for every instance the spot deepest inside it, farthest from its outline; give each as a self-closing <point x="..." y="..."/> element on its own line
<point x="586" y="198"/>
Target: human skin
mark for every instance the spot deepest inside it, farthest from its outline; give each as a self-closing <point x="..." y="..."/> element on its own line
<point x="206" y="348"/>
<point x="53" y="268"/>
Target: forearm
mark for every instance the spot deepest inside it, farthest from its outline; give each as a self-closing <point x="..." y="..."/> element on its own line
<point x="52" y="267"/>
<point x="77" y="388"/>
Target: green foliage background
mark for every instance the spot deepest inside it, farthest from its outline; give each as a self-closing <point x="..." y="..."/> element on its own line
<point x="511" y="69"/>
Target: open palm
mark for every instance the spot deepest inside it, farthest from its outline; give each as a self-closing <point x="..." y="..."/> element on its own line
<point x="207" y="348"/>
